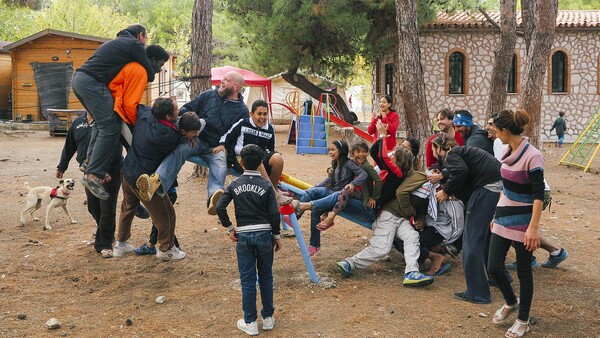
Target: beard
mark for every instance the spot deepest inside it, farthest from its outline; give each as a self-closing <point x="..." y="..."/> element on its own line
<point x="225" y="92"/>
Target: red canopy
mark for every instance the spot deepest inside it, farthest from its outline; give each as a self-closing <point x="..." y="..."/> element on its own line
<point x="251" y="79"/>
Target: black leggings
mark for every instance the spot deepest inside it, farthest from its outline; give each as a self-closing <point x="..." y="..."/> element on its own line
<point x="498" y="248"/>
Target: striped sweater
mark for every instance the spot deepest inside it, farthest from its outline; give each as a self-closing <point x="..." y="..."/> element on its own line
<point x="523" y="179"/>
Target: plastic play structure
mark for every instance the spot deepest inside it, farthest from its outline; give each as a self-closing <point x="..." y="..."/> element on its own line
<point x="588" y="142"/>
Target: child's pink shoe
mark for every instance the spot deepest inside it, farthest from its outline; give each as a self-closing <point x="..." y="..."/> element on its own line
<point x="312" y="250"/>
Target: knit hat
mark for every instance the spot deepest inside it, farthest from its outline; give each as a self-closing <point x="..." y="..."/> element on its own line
<point x="463" y="120"/>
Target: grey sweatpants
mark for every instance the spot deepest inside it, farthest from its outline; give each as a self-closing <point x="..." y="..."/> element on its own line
<point x="385" y="228"/>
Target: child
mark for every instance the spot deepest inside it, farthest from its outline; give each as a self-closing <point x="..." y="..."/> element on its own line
<point x="256" y="130"/>
<point x="369" y="191"/>
<point x="150" y="247"/>
<point x="321" y="198"/>
<point x="257" y="236"/>
<point x="561" y="128"/>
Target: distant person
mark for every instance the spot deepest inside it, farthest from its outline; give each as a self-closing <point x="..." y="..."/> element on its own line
<point x="391" y="120"/>
<point x="257" y="234"/>
<point x="560" y="124"/>
<point x="220" y="108"/>
<point x="90" y="86"/>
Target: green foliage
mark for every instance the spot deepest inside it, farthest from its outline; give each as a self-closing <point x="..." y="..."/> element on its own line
<point x="578" y="4"/>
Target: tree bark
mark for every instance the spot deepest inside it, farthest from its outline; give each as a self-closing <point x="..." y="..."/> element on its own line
<point x="537" y="63"/>
<point x="412" y="85"/>
<point x="529" y="13"/>
<point x="300" y="82"/>
<point x="503" y="57"/>
<point x="201" y="46"/>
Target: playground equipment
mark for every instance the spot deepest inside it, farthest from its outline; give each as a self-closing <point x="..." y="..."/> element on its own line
<point x="588" y="140"/>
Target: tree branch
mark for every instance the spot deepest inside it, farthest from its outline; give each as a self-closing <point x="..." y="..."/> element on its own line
<point x="494" y="23"/>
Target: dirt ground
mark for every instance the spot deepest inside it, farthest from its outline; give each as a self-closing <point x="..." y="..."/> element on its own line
<point x="57" y="273"/>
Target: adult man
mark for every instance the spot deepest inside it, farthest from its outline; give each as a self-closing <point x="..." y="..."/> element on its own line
<point x="220" y="108"/>
<point x="90" y="86"/>
<point x="473" y="135"/>
<point x="154" y="137"/>
<point x="103" y="211"/>
<point x="444" y="118"/>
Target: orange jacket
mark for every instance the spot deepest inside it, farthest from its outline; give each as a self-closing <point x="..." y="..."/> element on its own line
<point x="127" y="89"/>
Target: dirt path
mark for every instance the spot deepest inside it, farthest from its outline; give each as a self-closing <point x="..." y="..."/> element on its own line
<point x="45" y="274"/>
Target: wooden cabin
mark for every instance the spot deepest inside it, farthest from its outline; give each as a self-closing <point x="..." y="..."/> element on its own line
<point x="5" y="81"/>
<point x="43" y="65"/>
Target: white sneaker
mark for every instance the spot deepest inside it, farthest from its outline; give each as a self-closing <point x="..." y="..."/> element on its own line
<point x="268" y="323"/>
<point x="251" y="329"/>
<point x="172" y="254"/>
<point x="122" y="248"/>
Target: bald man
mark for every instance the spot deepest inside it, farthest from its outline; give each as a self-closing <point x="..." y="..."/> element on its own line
<point x="220" y="108"/>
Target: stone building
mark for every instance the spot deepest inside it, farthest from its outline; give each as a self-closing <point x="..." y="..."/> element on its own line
<point x="457" y="55"/>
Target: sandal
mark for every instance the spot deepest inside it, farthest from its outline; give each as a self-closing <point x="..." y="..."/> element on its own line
<point x="297" y="210"/>
<point x="106" y="253"/>
<point x="503" y="312"/>
<point x="283" y="200"/>
<point x="519" y="329"/>
<point x="324" y="226"/>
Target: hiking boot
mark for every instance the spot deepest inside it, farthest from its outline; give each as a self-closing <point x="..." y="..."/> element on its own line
<point x="212" y="201"/>
<point x="415" y="278"/>
<point x="144" y="249"/>
<point x="268" y="323"/>
<point x="172" y="254"/>
<point x="94" y="185"/>
<point x="534" y="264"/>
<point x="251" y="329"/>
<point x="553" y="261"/>
<point x="344" y="268"/>
<point x="147" y="185"/>
<point x="122" y="248"/>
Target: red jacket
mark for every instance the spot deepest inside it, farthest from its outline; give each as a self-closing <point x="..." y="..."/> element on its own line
<point x="429" y="158"/>
<point x="393" y="121"/>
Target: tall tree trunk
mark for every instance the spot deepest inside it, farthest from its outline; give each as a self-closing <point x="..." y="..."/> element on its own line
<point x="503" y="57"/>
<point x="529" y="13"/>
<point x="412" y="84"/>
<point x="201" y="46"/>
<point x="300" y="82"/>
<point x="537" y="63"/>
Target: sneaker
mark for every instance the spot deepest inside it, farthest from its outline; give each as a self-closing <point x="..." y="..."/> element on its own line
<point x="83" y="167"/>
<point x="141" y="212"/>
<point x="344" y="268"/>
<point x="553" y="261"/>
<point x="172" y="254"/>
<point x="313" y="250"/>
<point x="451" y="250"/>
<point x="212" y="201"/>
<point x="144" y="249"/>
<point x="415" y="278"/>
<point x="122" y="249"/>
<point x="251" y="329"/>
<point x="147" y="185"/>
<point x="106" y="253"/>
<point x="283" y="200"/>
<point x="95" y="187"/>
<point x="268" y="323"/>
<point x="534" y="264"/>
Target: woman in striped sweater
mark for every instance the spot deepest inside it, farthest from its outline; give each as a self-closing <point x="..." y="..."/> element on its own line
<point x="517" y="217"/>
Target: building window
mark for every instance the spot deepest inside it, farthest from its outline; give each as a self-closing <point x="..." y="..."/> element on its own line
<point x="457" y="72"/>
<point x="511" y="86"/>
<point x="559" y="72"/>
<point x="377" y="77"/>
<point x="389" y="79"/>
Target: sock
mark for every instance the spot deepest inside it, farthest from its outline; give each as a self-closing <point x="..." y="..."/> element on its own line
<point x="555" y="253"/>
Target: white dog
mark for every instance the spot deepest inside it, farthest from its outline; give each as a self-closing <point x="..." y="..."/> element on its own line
<point x="55" y="197"/>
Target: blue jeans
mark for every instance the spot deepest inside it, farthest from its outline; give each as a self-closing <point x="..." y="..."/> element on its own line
<point x="170" y="166"/>
<point x="323" y="200"/>
<point x="97" y="100"/>
<point x="255" y="250"/>
<point x="561" y="139"/>
<point x="480" y="212"/>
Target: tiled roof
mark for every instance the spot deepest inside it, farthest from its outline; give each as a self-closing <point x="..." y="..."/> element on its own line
<point x="475" y="19"/>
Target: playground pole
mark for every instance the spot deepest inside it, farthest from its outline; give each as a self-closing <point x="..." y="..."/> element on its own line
<point x="288" y="209"/>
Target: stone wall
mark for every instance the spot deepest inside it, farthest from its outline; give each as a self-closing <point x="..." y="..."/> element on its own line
<point x="581" y="46"/>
